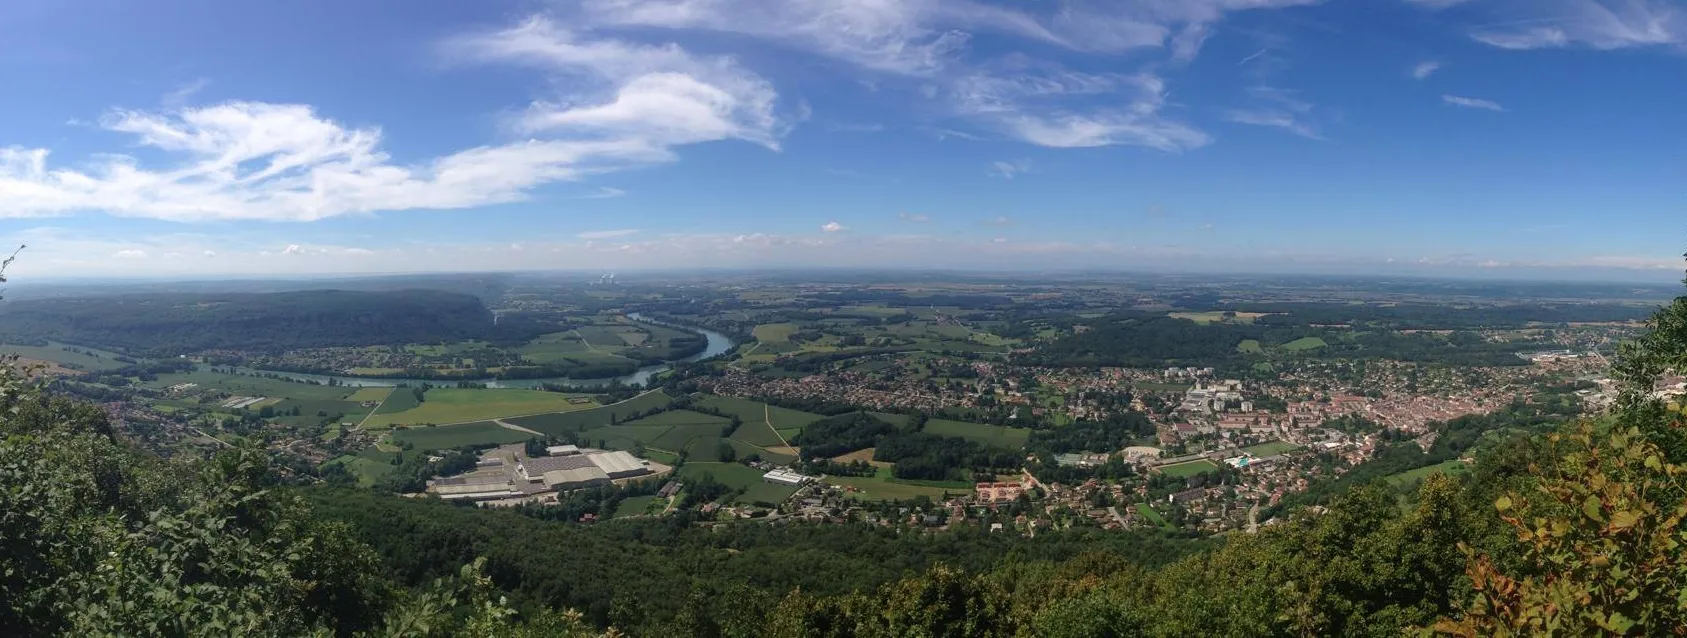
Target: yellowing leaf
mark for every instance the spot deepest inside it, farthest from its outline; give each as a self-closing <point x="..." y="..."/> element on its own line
<point x="1503" y="503"/>
<point x="1624" y="519"/>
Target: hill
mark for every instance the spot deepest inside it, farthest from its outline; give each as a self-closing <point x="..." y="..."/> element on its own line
<point x="171" y="324"/>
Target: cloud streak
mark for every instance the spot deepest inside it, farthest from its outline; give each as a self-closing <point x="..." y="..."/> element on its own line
<point x="1423" y="70"/>
<point x="1473" y="103"/>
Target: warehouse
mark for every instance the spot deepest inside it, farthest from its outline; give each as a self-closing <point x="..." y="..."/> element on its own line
<point x="619" y="465"/>
<point x="786" y="477"/>
<point x="578" y="478"/>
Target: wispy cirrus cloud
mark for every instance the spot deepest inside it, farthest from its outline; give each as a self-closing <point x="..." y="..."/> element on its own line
<point x="1594" y="24"/>
<point x="1009" y="169"/>
<point x="1473" y="103"/>
<point x="1425" y="69"/>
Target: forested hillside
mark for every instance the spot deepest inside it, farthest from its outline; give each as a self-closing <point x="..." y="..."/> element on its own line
<point x="170" y="324"/>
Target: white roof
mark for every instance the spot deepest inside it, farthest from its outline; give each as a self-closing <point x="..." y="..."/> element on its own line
<point x="556" y="450"/>
<point x="575" y="476"/>
<point x="618" y="462"/>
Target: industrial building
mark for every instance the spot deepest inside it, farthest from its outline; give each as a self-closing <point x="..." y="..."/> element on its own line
<point x="507" y="473"/>
<point x="786" y="477"/>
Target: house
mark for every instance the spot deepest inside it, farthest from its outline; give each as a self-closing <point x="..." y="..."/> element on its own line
<point x="998" y="492"/>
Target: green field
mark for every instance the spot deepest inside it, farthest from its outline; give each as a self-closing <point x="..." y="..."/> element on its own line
<point x="313" y="411"/>
<point x="558" y="423"/>
<point x="680" y="417"/>
<point x="1250" y="346"/>
<point x="367" y="471"/>
<point x="1188" y="469"/>
<point x="637" y="506"/>
<point x="452" y="436"/>
<point x="451" y="405"/>
<point x="1450" y="468"/>
<point x="774" y="332"/>
<point x="369" y="394"/>
<point x="1271" y="449"/>
<point x="1303" y="344"/>
<point x="242" y="385"/>
<point x="553" y="348"/>
<point x="755" y="411"/>
<point x="996" y="435"/>
<point x="57" y="354"/>
<point x="739" y="476"/>
<point x="880" y="488"/>
<point x="399" y="400"/>
<point x="1143" y="510"/>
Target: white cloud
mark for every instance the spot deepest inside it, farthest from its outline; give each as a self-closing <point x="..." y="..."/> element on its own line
<point x="604" y="192"/>
<point x="210" y="253"/>
<point x="1007" y="170"/>
<point x="130" y="254"/>
<point x="1424" y="70"/>
<point x="1437" y="4"/>
<point x="1278" y="108"/>
<point x="1000" y="220"/>
<point x="293" y="249"/>
<point x="1472" y="103"/>
<point x="833" y="227"/>
<point x="1596" y="24"/>
<point x="607" y="234"/>
<point x="181" y="94"/>
<point x="660" y="96"/>
<point x="252" y="160"/>
<point x="928" y="39"/>
<point x="1031" y="106"/>
<point x="912" y="217"/>
<point x="1274" y="119"/>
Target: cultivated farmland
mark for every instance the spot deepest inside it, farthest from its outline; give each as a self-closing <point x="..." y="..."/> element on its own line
<point x="452" y="405"/>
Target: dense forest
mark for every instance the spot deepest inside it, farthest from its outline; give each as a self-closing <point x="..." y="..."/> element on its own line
<point x="163" y="325"/>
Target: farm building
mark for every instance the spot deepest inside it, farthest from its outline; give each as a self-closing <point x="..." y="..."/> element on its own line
<point x="562" y="450"/>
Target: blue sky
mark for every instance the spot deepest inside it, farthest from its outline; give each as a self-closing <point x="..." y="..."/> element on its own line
<point x="1496" y="138"/>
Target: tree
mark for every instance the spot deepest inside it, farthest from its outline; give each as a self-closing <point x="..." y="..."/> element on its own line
<point x="726" y="453"/>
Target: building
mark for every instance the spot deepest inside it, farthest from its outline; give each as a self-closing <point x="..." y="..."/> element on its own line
<point x="998" y="492"/>
<point x="786" y="477"/>
<point x="618" y="465"/>
<point x="562" y="450"/>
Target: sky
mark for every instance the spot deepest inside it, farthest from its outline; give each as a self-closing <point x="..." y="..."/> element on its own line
<point x="1472" y="138"/>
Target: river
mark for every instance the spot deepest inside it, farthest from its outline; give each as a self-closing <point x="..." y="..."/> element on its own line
<point x="719" y="344"/>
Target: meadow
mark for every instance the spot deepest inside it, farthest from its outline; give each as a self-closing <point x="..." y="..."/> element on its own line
<point x="774" y="332"/>
<point x="442" y="406"/>
<point x="427" y="439"/>
<point x="996" y="435"/>
<point x="243" y="385"/>
<point x="369" y="394"/>
<point x="575" y="421"/>
<point x="1189" y="468"/>
<point x="881" y="488"/>
<point x="639" y="506"/>
<point x="739" y="477"/>
<point x="1304" y="344"/>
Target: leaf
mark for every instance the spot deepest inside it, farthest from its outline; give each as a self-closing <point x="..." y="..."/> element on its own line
<point x="1591" y="508"/>
<point x="1503" y="503"/>
<point x="1624" y="519"/>
<point x="1652" y="463"/>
